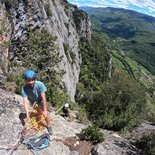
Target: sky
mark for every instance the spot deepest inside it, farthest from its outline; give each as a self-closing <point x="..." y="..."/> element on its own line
<point x="142" y="6"/>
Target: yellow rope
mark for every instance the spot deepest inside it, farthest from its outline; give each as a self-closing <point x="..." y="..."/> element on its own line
<point x="38" y="121"/>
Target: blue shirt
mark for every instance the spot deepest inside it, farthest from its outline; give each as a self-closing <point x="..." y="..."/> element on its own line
<point x="34" y="94"/>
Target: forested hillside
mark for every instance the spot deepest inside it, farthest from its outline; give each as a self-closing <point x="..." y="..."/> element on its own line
<point x="133" y="31"/>
<point x="117" y="74"/>
<point x="123" y="42"/>
<point x="130" y="37"/>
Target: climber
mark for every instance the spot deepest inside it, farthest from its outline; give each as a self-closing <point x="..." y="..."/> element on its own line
<point x="65" y="111"/>
<point x="33" y="93"/>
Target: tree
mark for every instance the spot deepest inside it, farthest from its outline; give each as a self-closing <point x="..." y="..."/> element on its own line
<point x="119" y="105"/>
<point x="39" y="52"/>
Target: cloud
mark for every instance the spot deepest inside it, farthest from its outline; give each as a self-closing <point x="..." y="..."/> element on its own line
<point x="143" y="3"/>
<point x="77" y="3"/>
<point x="138" y="3"/>
<point x="150" y="9"/>
<point x="147" y="5"/>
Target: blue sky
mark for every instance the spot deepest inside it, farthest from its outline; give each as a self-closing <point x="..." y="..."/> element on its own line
<point x="143" y="6"/>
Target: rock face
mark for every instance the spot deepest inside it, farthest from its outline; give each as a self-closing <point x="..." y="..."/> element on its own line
<point x="62" y="20"/>
<point x="10" y="127"/>
<point x="10" y="108"/>
<point x="115" y="145"/>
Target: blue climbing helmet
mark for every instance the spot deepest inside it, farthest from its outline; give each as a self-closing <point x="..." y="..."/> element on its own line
<point x="30" y="74"/>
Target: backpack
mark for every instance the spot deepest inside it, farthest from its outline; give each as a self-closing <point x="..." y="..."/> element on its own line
<point x="38" y="143"/>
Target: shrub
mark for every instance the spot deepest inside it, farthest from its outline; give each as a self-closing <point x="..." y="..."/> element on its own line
<point x="147" y="144"/>
<point x="119" y="105"/>
<point x="7" y="14"/>
<point x="57" y="98"/>
<point x="6" y="44"/>
<point x="10" y="86"/>
<point x="8" y="4"/>
<point x="93" y="134"/>
<point x="15" y="83"/>
<point x="150" y="109"/>
<point x="48" y="10"/>
<point x="82" y="115"/>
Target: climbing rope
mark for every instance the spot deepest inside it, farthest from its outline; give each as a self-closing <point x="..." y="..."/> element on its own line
<point x="37" y="121"/>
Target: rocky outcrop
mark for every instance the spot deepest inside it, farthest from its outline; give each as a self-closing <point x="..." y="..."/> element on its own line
<point x="115" y="145"/>
<point x="123" y="145"/>
<point x="62" y="20"/>
<point x="10" y="127"/>
<point x="64" y="140"/>
<point x="10" y="107"/>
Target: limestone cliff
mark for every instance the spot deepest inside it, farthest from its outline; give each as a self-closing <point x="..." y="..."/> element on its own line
<point x="60" y="18"/>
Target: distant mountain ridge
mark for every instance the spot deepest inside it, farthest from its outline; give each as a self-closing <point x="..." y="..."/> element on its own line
<point x="117" y="14"/>
<point x="133" y="32"/>
<point x="137" y="14"/>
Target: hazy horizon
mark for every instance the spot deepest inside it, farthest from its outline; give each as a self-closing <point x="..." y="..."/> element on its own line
<point x="142" y="6"/>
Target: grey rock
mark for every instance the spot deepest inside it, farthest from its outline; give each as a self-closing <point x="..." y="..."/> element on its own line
<point x="3" y="152"/>
<point x="74" y="153"/>
<point x="115" y="145"/>
<point x="10" y="127"/>
<point x="100" y="150"/>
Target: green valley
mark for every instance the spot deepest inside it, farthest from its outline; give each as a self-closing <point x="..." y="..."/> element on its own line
<point x="121" y="95"/>
<point x="133" y="32"/>
<point x="130" y="37"/>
